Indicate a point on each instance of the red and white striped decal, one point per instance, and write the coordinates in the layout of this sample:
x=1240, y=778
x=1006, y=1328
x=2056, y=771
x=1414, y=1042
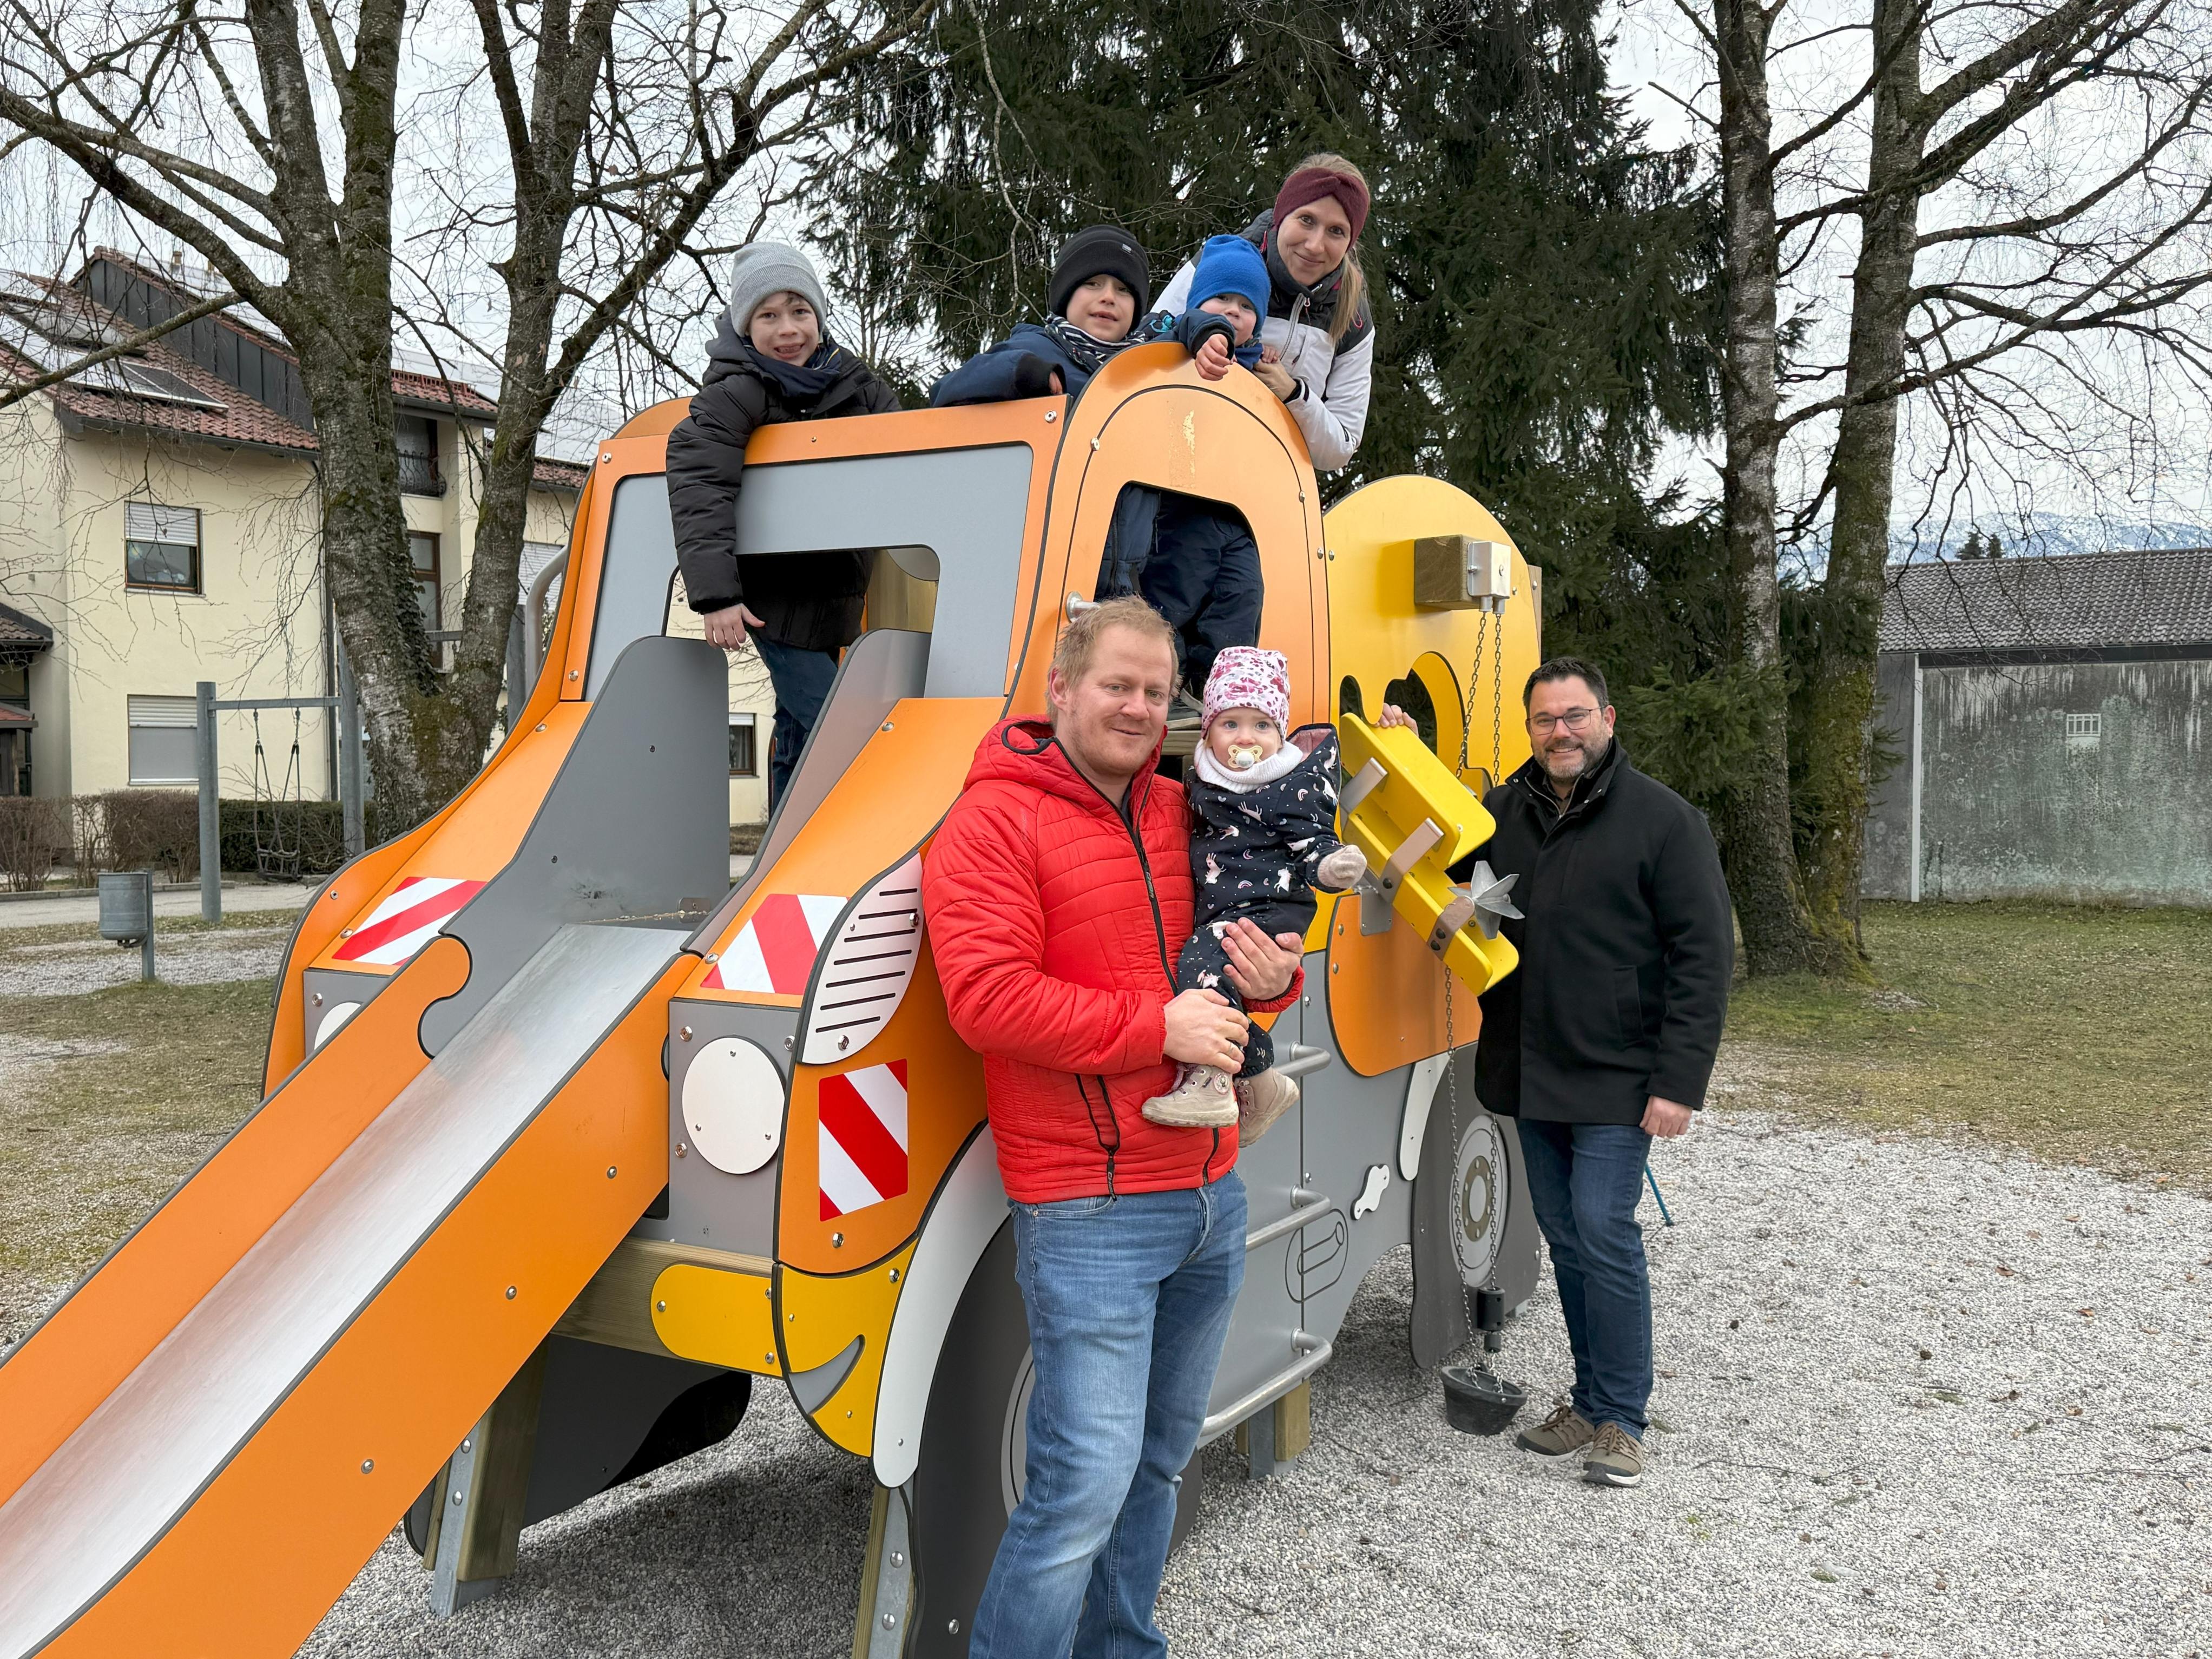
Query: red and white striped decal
x=407, y=920
x=862, y=1146
x=775, y=950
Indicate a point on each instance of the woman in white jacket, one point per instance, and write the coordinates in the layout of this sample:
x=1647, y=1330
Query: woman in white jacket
x=1318, y=334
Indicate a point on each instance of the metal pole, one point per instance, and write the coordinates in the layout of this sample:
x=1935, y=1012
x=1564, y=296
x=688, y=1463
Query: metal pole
x=204, y=751
x=349, y=763
x=146, y=945
x=1912, y=877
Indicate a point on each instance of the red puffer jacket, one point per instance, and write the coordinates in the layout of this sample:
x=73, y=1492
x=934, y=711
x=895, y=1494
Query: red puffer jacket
x=1055, y=923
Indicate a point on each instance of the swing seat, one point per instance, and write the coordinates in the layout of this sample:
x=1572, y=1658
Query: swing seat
x=1404, y=809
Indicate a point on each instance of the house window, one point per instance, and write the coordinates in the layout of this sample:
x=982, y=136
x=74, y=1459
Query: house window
x=422, y=553
x=2084, y=731
x=161, y=547
x=164, y=738
x=744, y=748
x=417, y=437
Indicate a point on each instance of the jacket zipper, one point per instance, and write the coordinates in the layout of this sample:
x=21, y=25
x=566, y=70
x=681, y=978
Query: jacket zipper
x=1151, y=893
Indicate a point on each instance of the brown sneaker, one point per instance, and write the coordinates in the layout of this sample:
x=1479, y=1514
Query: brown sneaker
x=1616, y=1458
x=1202, y=1099
x=1562, y=1434
x=1261, y=1100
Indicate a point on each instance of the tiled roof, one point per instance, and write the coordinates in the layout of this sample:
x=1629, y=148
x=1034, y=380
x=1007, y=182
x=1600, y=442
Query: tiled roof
x=21, y=635
x=2072, y=601
x=456, y=395
x=408, y=386
x=234, y=417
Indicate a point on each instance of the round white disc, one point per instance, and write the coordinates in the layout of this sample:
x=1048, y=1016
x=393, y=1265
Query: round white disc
x=733, y=1105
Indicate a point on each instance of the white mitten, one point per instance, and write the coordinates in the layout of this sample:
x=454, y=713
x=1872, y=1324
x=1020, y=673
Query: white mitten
x=1340, y=869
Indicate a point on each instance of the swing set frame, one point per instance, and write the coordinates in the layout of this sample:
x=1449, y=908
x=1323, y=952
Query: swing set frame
x=352, y=774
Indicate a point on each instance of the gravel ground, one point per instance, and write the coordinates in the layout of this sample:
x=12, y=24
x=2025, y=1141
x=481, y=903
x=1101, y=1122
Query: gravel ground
x=72, y=967
x=1915, y=1398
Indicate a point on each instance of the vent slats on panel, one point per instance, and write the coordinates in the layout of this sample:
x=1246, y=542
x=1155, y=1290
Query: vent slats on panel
x=866, y=968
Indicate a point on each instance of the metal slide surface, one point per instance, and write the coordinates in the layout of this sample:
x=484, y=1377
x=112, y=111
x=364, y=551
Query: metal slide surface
x=146, y=1454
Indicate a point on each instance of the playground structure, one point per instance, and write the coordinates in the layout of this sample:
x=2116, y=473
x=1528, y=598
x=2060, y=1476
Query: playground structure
x=566, y=1139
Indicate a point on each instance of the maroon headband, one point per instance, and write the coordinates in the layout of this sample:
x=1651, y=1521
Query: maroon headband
x=1309, y=184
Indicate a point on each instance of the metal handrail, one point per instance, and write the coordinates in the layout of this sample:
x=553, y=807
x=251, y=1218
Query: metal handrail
x=532, y=609
x=1302, y=1060
x=1311, y=1208
x=1311, y=1359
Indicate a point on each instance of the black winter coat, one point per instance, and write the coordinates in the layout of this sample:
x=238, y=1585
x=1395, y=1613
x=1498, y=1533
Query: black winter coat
x=1259, y=850
x=1626, y=954
x=808, y=600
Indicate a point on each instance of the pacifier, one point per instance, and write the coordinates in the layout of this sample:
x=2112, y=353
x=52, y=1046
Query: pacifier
x=1243, y=756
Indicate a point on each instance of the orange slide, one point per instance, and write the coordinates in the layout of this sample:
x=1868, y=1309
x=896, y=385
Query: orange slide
x=205, y=1440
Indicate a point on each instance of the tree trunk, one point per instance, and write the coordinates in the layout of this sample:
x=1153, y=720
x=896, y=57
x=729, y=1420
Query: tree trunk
x=1756, y=843
x=1838, y=701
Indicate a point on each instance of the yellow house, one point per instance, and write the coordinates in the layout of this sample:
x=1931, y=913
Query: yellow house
x=159, y=525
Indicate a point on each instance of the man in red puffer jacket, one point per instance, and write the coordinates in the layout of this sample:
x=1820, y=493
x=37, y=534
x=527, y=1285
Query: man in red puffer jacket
x=1058, y=893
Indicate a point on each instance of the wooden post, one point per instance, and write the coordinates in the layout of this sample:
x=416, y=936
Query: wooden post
x=477, y=1529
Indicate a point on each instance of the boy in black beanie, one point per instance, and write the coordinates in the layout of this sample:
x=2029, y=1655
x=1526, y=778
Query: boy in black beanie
x=1100, y=286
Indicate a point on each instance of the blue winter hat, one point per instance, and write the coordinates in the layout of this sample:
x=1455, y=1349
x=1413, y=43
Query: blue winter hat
x=1230, y=264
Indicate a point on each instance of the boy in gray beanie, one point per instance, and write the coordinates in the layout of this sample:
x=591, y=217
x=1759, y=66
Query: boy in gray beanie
x=772, y=360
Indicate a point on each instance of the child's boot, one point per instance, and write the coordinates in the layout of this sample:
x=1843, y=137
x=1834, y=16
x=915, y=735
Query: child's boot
x=1202, y=1099
x=1260, y=1101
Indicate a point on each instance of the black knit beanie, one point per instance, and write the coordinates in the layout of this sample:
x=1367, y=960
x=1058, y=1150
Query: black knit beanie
x=1099, y=250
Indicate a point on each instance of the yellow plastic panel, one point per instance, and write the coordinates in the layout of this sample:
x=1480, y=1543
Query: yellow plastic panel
x=1417, y=787
x=820, y=1317
x=717, y=1317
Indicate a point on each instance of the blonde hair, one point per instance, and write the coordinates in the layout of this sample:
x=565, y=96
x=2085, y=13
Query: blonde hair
x=1353, y=289
x=1078, y=642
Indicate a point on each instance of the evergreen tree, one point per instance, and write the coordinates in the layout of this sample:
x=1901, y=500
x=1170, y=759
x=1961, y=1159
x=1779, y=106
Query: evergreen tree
x=1543, y=284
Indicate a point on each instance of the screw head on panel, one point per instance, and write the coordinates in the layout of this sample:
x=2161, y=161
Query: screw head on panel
x=895, y=1275
x=457, y=1500
x=541, y=726
x=510, y=1293
x=611, y=1172
x=897, y=1560
x=952, y=1625
x=319, y=998
x=367, y=1465
x=889, y=1623
x=682, y=1151
x=660, y=1307
x=685, y=1033
x=836, y=1241
x=467, y=1444
x=714, y=957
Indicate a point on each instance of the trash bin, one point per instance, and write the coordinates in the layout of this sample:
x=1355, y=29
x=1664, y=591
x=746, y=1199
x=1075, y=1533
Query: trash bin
x=126, y=911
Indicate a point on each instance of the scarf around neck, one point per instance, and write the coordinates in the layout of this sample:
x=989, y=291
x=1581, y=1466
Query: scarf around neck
x=1086, y=350
x=1280, y=765
x=802, y=383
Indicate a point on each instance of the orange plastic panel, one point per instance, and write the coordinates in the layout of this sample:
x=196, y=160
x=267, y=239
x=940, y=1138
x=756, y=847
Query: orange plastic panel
x=1148, y=418
x=942, y=1082
x=888, y=801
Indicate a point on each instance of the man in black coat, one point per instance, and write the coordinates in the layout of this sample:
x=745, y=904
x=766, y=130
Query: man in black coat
x=1605, y=1035
x=771, y=360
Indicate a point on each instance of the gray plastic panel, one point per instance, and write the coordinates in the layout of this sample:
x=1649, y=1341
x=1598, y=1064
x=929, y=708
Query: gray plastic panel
x=707, y=1205
x=636, y=822
x=967, y=506
x=1258, y=1349
x=634, y=577
x=883, y=668
x=117, y=1484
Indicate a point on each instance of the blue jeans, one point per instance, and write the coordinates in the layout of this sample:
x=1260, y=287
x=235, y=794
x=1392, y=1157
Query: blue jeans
x=1129, y=1300
x=801, y=679
x=1585, y=1180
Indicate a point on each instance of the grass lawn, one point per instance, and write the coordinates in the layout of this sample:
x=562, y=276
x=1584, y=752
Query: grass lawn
x=113, y=1099
x=2080, y=1033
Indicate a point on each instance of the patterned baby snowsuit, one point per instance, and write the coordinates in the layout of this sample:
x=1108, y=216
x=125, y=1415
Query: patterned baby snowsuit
x=1254, y=857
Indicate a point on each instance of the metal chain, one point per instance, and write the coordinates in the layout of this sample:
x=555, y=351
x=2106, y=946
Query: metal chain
x=1497, y=704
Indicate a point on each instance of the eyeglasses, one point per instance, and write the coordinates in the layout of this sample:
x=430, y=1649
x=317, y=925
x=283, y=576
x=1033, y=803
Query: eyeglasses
x=1574, y=720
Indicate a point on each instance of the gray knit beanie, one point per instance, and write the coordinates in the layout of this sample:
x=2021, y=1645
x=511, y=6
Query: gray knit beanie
x=761, y=268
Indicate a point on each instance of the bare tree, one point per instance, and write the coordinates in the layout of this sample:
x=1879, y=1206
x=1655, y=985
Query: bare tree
x=268, y=141
x=2036, y=251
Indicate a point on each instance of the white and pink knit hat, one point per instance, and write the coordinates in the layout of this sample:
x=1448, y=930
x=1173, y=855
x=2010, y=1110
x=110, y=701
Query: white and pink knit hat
x=1245, y=677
